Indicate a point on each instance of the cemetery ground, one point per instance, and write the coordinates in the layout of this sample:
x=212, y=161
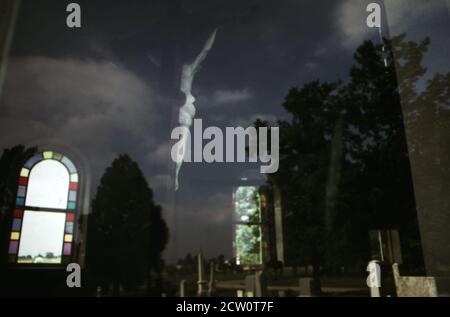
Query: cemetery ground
x=279, y=284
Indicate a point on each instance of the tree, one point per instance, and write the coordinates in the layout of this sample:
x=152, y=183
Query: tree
x=126, y=231
x=344, y=162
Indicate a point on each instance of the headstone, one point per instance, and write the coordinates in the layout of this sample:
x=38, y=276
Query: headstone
x=249, y=285
x=278, y=225
x=414, y=286
x=211, y=283
x=306, y=286
x=201, y=282
x=260, y=284
x=183, y=288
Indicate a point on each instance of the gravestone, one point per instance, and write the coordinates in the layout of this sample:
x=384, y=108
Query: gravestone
x=249, y=285
x=414, y=286
x=260, y=284
x=307, y=287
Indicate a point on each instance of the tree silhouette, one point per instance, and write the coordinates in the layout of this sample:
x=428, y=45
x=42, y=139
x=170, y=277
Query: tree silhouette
x=344, y=161
x=126, y=231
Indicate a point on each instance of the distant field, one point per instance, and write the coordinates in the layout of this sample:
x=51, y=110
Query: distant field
x=56, y=260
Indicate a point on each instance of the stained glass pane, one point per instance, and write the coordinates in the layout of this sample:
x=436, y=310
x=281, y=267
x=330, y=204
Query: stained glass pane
x=48, y=185
x=74, y=178
x=15, y=235
x=69, y=227
x=68, y=238
x=42, y=237
x=13, y=247
x=48, y=154
x=36, y=158
x=73, y=186
x=24, y=172
x=21, y=191
x=68, y=163
x=67, y=248
x=57, y=156
x=16, y=224
x=23, y=181
x=72, y=195
x=71, y=205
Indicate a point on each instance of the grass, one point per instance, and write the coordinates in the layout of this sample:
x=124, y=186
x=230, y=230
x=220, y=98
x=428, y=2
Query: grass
x=55, y=260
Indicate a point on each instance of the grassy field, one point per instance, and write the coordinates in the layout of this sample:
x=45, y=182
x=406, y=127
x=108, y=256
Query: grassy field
x=55, y=260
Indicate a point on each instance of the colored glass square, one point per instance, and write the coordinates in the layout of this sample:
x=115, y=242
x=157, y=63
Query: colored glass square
x=23, y=181
x=16, y=224
x=57, y=156
x=36, y=158
x=67, y=248
x=13, y=245
x=24, y=172
x=70, y=217
x=71, y=205
x=48, y=154
x=67, y=238
x=20, y=201
x=73, y=186
x=18, y=213
x=74, y=178
x=72, y=195
x=15, y=235
x=21, y=191
x=69, y=227
x=68, y=163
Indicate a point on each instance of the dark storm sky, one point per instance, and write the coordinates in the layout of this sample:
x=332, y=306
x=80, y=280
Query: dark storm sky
x=112, y=86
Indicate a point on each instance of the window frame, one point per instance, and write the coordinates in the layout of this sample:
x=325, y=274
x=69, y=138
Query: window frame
x=237, y=222
x=71, y=214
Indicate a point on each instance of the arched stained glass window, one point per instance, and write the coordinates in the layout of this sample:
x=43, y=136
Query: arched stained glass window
x=43, y=220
